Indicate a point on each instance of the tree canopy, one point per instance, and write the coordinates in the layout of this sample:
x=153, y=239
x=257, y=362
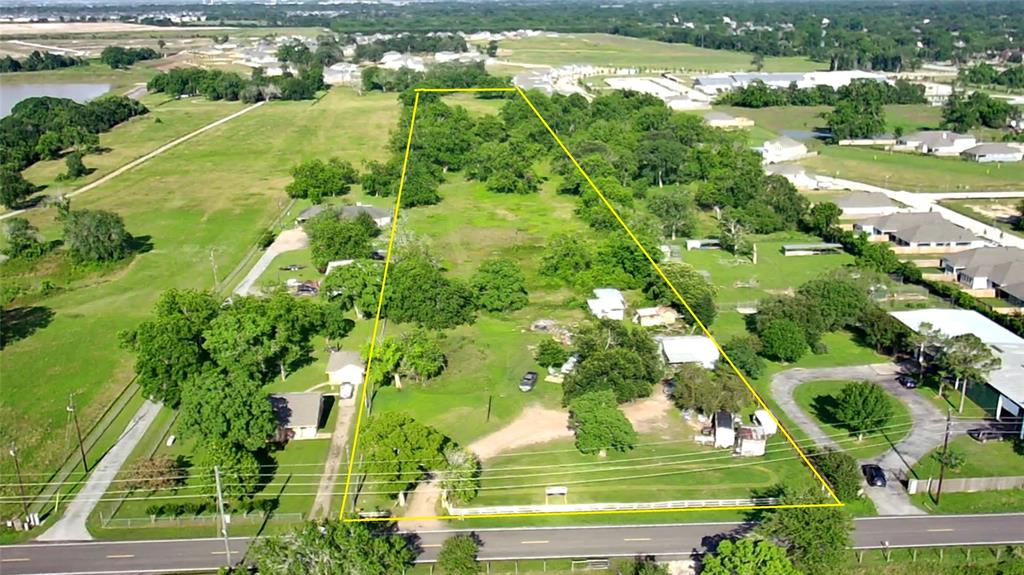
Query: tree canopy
x=333, y=548
x=399, y=451
x=747, y=556
x=499, y=285
x=598, y=423
x=316, y=179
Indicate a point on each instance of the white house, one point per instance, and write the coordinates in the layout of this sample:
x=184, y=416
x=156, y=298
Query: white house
x=298, y=415
x=723, y=424
x=993, y=153
x=783, y=149
x=862, y=204
x=655, y=316
x=381, y=217
x=345, y=367
x=936, y=142
x=608, y=303
x=397, y=61
x=679, y=349
x=796, y=175
x=342, y=73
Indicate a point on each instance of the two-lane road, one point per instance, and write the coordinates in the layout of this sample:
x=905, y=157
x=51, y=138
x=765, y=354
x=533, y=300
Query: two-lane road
x=183, y=555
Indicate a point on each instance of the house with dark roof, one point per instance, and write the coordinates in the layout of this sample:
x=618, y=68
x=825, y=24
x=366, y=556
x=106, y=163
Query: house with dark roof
x=919, y=232
x=298, y=415
x=989, y=272
x=985, y=153
x=380, y=216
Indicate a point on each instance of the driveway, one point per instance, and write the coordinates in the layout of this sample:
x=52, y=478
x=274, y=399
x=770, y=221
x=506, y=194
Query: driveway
x=286, y=241
x=927, y=429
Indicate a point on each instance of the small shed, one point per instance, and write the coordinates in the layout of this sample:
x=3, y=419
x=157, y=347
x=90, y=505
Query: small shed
x=750, y=441
x=689, y=349
x=345, y=367
x=811, y=249
x=704, y=244
x=608, y=303
x=298, y=415
x=725, y=434
x=764, y=419
x=655, y=316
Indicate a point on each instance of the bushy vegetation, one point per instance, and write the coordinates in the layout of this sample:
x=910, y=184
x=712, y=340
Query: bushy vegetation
x=38, y=61
x=758, y=95
x=985, y=74
x=118, y=57
x=220, y=85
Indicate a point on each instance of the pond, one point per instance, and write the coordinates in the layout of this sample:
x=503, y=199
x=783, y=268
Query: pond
x=12, y=93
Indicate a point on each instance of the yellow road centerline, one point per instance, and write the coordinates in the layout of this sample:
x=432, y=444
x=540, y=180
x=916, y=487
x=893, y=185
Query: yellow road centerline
x=538, y=542
x=14, y=559
x=637, y=539
x=120, y=556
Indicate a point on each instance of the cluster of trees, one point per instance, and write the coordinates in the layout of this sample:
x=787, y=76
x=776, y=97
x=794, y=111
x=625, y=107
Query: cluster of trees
x=859, y=114
x=316, y=179
x=220, y=85
x=961, y=113
x=328, y=51
x=410, y=43
x=41, y=128
x=118, y=57
x=38, y=61
x=708, y=391
x=758, y=95
x=443, y=75
x=416, y=355
x=984, y=74
x=333, y=237
x=89, y=237
x=616, y=357
x=598, y=423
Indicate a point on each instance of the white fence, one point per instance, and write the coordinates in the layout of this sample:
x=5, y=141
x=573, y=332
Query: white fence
x=573, y=507
x=965, y=484
x=195, y=520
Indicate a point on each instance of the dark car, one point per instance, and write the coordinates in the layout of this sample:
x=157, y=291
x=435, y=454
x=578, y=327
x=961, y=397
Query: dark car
x=984, y=435
x=874, y=475
x=529, y=380
x=907, y=381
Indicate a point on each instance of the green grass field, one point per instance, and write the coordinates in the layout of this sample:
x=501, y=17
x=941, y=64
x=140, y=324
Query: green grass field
x=212, y=195
x=817, y=398
x=995, y=458
x=622, y=51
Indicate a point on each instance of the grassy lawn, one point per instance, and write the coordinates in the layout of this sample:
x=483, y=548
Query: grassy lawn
x=817, y=399
x=995, y=458
x=805, y=118
x=212, y=195
x=999, y=213
x=621, y=51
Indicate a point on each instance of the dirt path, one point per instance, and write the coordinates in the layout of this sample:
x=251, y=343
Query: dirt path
x=143, y=159
x=287, y=241
x=335, y=455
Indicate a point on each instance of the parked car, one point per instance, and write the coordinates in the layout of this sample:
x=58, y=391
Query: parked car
x=292, y=268
x=984, y=434
x=874, y=475
x=528, y=382
x=346, y=391
x=907, y=381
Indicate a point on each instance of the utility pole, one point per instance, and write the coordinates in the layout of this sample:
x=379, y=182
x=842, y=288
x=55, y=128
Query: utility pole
x=78, y=430
x=223, y=517
x=21, y=486
x=945, y=451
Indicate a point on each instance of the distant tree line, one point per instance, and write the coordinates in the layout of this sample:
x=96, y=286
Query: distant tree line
x=758, y=95
x=962, y=113
x=119, y=57
x=328, y=51
x=221, y=85
x=410, y=43
x=38, y=61
x=446, y=75
x=984, y=74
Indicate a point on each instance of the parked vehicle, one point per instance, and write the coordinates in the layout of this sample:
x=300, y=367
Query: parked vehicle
x=874, y=475
x=346, y=391
x=907, y=381
x=292, y=268
x=528, y=382
x=984, y=434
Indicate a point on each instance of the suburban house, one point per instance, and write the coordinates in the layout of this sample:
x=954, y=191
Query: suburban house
x=656, y=316
x=677, y=349
x=985, y=153
x=342, y=73
x=380, y=216
x=750, y=441
x=936, y=142
x=988, y=272
x=783, y=149
x=864, y=204
x=717, y=83
x=727, y=121
x=723, y=424
x=796, y=175
x=310, y=213
x=608, y=303
x=1008, y=380
x=916, y=232
x=397, y=60
x=298, y=415
x=345, y=367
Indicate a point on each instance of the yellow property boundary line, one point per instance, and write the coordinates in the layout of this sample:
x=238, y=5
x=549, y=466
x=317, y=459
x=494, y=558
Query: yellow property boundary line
x=380, y=303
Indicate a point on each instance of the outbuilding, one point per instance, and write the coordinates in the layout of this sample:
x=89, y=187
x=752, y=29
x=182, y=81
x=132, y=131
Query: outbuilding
x=723, y=424
x=345, y=367
x=679, y=349
x=608, y=303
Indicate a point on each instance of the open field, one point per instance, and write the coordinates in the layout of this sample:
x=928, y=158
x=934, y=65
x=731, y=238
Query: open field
x=207, y=199
x=817, y=398
x=625, y=52
x=999, y=213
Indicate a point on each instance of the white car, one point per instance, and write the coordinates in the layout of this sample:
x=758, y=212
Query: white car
x=346, y=390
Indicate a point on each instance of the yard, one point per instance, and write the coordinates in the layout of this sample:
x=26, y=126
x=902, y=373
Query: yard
x=995, y=458
x=206, y=200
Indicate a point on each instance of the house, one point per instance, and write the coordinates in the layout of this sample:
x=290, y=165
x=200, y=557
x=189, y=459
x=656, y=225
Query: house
x=679, y=349
x=988, y=272
x=608, y=303
x=986, y=153
x=345, y=367
x=796, y=175
x=723, y=425
x=861, y=204
x=765, y=420
x=811, y=249
x=936, y=142
x=655, y=316
x=1008, y=380
x=342, y=73
x=717, y=83
x=914, y=232
x=750, y=441
x=298, y=415
x=310, y=213
x=783, y=149
x=380, y=216
x=397, y=61
x=727, y=121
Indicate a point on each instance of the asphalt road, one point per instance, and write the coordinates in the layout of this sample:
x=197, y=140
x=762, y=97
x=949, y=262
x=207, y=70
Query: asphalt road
x=184, y=555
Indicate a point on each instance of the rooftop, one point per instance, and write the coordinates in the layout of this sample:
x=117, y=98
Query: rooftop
x=993, y=149
x=920, y=227
x=864, y=200
x=936, y=138
x=689, y=349
x=340, y=359
x=297, y=409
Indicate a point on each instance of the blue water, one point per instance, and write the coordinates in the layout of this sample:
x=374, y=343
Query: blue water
x=11, y=93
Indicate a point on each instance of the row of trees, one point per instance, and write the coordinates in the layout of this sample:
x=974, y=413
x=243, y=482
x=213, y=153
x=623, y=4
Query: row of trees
x=758, y=95
x=410, y=43
x=89, y=237
x=443, y=75
x=38, y=61
x=119, y=57
x=962, y=113
x=220, y=85
x=985, y=74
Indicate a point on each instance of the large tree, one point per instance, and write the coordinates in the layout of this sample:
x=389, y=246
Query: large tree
x=418, y=292
x=239, y=469
x=863, y=407
x=14, y=188
x=841, y=471
x=619, y=370
x=22, y=239
x=460, y=477
x=316, y=179
x=599, y=424
x=224, y=407
x=783, y=340
x=421, y=354
x=747, y=556
x=334, y=548
x=96, y=236
x=815, y=538
x=399, y=451
x=709, y=391
x=332, y=238
x=695, y=289
x=839, y=301
x=355, y=286
x=743, y=351
x=458, y=555
x=675, y=209
x=499, y=285
x=967, y=360
x=566, y=256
